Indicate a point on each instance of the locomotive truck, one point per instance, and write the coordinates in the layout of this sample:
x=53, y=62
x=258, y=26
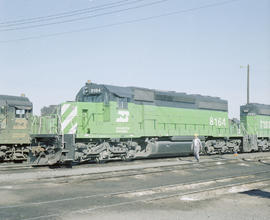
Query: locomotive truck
x=108, y=122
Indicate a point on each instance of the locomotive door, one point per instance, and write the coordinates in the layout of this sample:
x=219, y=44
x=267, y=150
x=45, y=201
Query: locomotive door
x=85, y=121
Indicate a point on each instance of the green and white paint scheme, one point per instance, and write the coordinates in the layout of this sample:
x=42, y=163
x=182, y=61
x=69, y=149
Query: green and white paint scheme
x=107, y=122
x=45, y=124
x=258, y=125
x=99, y=120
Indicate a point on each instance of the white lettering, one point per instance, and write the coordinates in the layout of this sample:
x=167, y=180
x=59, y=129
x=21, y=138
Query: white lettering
x=264, y=124
x=95, y=91
x=122, y=129
x=123, y=116
x=217, y=121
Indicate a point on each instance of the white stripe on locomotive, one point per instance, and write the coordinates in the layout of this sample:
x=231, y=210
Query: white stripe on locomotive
x=69, y=118
x=73, y=129
x=64, y=108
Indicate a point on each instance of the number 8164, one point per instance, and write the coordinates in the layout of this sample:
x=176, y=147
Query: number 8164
x=217, y=121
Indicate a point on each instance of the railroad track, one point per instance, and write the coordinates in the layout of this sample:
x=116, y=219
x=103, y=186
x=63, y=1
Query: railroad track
x=15, y=167
x=21, y=167
x=150, y=194
x=151, y=170
x=125, y=171
x=106, y=172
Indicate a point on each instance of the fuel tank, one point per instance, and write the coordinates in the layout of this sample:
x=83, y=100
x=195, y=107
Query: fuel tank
x=168, y=148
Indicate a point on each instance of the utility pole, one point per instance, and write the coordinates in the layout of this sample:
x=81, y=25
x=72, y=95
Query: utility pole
x=247, y=81
x=248, y=84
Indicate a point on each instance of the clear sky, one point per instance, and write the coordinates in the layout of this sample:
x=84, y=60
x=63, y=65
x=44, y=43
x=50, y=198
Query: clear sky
x=197, y=51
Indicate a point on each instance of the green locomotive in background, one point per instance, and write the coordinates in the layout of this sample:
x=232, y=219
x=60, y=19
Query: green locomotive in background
x=256, y=121
x=15, y=127
x=106, y=122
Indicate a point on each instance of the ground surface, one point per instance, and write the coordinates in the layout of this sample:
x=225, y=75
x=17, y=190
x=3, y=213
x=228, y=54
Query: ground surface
x=179, y=191
x=253, y=204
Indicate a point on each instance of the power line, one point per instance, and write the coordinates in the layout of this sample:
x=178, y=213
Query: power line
x=85, y=17
x=67, y=14
x=124, y=22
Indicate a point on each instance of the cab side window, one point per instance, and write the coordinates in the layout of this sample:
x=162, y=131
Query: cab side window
x=19, y=113
x=2, y=117
x=122, y=103
x=2, y=110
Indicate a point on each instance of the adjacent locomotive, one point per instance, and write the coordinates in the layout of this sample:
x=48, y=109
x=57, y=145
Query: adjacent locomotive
x=107, y=122
x=15, y=127
x=255, y=119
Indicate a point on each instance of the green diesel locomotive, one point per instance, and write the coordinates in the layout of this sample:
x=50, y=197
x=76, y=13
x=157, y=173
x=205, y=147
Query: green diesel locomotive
x=256, y=126
x=107, y=122
x=15, y=127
